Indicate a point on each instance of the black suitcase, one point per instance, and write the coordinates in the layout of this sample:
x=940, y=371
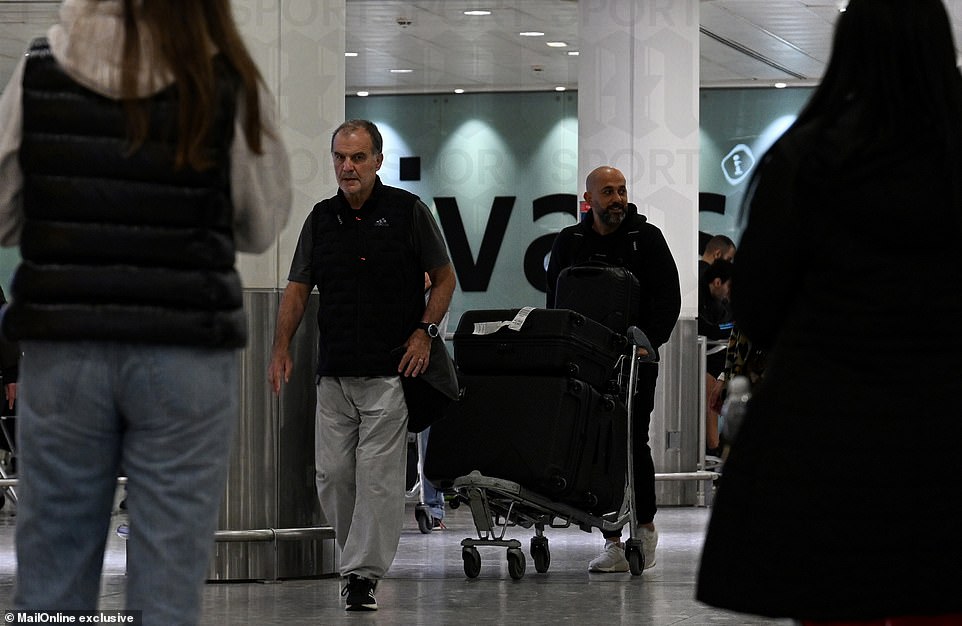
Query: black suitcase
x=549, y=342
x=607, y=294
x=555, y=436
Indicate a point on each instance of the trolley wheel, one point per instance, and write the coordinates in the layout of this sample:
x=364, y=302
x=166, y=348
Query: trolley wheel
x=636, y=560
x=540, y=554
x=425, y=523
x=515, y=563
x=472, y=561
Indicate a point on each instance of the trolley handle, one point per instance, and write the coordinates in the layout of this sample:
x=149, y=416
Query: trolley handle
x=645, y=352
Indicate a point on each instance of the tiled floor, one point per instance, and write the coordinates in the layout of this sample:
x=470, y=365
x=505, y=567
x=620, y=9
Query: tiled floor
x=427, y=585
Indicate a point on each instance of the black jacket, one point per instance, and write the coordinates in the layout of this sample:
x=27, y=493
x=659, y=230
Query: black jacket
x=367, y=268
x=863, y=371
x=637, y=246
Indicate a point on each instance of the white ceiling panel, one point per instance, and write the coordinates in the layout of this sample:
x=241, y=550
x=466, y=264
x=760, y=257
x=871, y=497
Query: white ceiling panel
x=743, y=42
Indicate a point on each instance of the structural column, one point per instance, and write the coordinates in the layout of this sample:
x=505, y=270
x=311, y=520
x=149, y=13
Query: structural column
x=270, y=524
x=638, y=111
x=299, y=47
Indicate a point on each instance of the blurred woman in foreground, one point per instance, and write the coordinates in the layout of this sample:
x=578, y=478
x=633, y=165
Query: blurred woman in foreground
x=839, y=497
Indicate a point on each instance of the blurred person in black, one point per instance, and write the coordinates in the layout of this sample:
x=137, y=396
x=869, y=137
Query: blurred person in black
x=862, y=343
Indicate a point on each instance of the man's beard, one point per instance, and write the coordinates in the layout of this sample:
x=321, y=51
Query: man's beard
x=612, y=220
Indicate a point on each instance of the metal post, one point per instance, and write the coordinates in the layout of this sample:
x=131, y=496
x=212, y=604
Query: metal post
x=634, y=528
x=702, y=417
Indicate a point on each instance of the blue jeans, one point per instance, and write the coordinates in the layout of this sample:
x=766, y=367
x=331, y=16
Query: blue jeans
x=166, y=414
x=433, y=498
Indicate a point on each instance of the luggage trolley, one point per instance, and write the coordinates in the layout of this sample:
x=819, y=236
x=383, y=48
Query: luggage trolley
x=497, y=504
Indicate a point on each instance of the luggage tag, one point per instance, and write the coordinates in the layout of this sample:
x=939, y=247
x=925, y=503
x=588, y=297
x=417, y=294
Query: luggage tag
x=488, y=328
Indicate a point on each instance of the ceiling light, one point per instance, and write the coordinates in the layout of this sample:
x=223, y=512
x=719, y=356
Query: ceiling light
x=531, y=33
x=350, y=54
x=556, y=44
x=573, y=53
x=780, y=85
x=477, y=12
x=400, y=71
x=362, y=93
x=559, y=88
x=458, y=90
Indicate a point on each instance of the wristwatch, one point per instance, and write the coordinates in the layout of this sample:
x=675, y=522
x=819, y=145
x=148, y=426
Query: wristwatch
x=429, y=328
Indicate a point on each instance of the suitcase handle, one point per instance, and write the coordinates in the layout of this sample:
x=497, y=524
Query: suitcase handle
x=588, y=269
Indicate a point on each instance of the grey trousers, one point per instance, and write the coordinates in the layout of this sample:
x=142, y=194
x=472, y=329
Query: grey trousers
x=360, y=447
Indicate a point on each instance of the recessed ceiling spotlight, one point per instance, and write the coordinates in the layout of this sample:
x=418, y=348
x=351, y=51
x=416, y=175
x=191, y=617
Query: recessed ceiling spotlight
x=477, y=12
x=780, y=85
x=400, y=71
x=531, y=33
x=559, y=88
x=556, y=44
x=350, y=54
x=573, y=53
x=458, y=90
x=362, y=93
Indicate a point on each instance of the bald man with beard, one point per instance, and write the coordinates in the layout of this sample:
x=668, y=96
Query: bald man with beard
x=615, y=234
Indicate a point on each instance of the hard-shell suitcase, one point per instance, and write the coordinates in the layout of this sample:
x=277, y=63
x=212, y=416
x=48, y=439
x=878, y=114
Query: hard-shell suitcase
x=554, y=435
x=550, y=342
x=607, y=294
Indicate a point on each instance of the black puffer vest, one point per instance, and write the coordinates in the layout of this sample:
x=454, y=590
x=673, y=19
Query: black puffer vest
x=365, y=265
x=119, y=246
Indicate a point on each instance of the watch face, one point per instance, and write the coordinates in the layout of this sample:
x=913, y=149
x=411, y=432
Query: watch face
x=432, y=330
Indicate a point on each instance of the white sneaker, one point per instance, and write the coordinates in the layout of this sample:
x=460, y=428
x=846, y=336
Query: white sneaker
x=649, y=541
x=611, y=560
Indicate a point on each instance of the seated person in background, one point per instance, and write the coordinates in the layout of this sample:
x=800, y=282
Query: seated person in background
x=715, y=323
x=718, y=248
x=742, y=358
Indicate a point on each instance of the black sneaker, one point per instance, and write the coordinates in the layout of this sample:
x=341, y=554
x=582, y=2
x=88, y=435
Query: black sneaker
x=360, y=594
